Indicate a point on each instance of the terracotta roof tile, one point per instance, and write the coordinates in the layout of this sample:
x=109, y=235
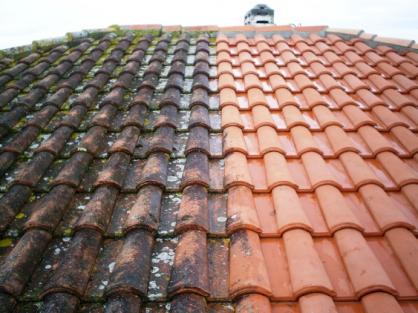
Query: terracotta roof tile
x=272, y=169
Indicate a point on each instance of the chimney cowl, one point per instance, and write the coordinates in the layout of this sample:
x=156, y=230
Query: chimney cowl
x=261, y=14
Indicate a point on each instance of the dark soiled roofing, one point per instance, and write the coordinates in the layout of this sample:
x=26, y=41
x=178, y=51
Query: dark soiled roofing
x=112, y=177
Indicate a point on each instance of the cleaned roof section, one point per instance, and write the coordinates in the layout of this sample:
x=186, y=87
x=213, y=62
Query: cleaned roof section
x=320, y=147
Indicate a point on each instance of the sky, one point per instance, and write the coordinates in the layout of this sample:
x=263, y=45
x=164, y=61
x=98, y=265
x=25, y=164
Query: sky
x=23, y=21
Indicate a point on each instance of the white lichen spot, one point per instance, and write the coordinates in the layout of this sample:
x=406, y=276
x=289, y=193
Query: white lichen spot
x=81, y=207
x=221, y=219
x=166, y=256
x=48, y=266
x=154, y=296
x=176, y=200
x=66, y=239
x=111, y=267
x=155, y=269
x=57, y=251
x=12, y=233
x=172, y=178
x=153, y=284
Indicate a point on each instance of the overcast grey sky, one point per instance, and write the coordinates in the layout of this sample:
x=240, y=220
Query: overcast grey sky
x=23, y=21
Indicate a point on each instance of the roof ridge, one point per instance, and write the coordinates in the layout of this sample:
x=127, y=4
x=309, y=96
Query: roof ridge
x=373, y=39
x=157, y=29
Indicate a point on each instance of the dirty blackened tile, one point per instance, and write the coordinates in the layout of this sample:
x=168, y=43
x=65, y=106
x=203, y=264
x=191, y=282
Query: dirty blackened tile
x=169, y=207
x=122, y=303
x=179, y=147
x=126, y=141
x=196, y=170
x=218, y=264
x=11, y=202
x=188, y=303
x=123, y=207
x=190, y=268
x=72, y=214
x=162, y=261
x=168, y=116
x=19, y=264
x=72, y=171
x=183, y=120
x=145, y=212
x=113, y=173
x=48, y=210
x=162, y=140
x=60, y=301
x=156, y=307
x=7, y=302
x=134, y=175
x=56, y=141
x=155, y=170
x=193, y=212
x=175, y=173
x=198, y=140
x=93, y=141
x=105, y=265
x=31, y=172
x=98, y=210
x=91, y=175
x=220, y=308
x=71, y=144
x=143, y=146
x=133, y=264
x=184, y=101
x=52, y=255
x=73, y=276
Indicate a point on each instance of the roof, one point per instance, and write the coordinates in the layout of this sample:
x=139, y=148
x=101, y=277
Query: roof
x=244, y=169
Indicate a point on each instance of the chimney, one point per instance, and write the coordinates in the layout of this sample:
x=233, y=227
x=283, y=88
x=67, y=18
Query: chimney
x=261, y=14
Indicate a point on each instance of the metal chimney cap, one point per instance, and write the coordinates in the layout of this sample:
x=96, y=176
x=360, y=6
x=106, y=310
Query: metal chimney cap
x=260, y=14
